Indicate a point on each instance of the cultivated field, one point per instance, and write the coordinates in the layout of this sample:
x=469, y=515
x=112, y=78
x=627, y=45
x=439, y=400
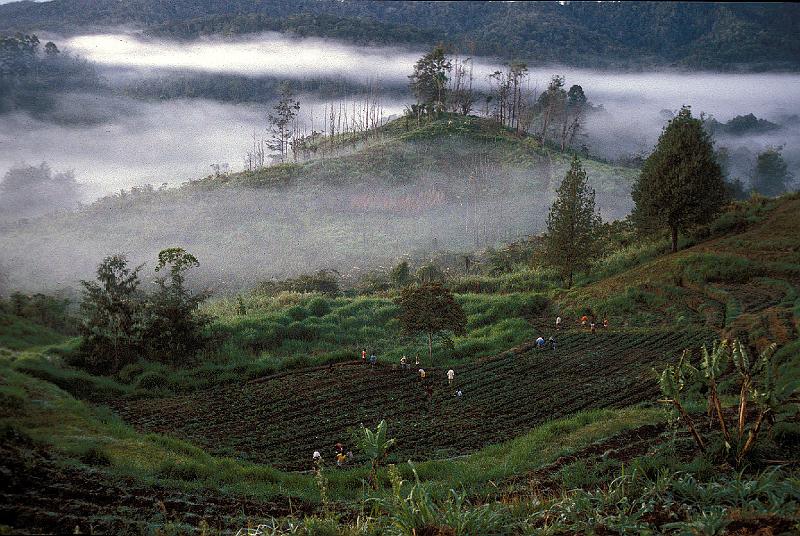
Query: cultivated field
x=281, y=419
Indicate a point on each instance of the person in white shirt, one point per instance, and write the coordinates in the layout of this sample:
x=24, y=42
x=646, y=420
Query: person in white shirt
x=450, y=375
x=558, y=322
x=421, y=374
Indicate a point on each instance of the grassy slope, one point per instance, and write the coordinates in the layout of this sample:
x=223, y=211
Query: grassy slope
x=400, y=153
x=21, y=334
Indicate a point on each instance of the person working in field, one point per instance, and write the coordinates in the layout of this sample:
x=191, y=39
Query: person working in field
x=421, y=374
x=605, y=323
x=558, y=322
x=404, y=363
x=373, y=359
x=593, y=327
x=552, y=342
x=451, y=374
x=364, y=356
x=540, y=342
x=584, y=320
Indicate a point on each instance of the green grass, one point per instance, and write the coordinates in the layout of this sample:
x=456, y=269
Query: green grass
x=21, y=334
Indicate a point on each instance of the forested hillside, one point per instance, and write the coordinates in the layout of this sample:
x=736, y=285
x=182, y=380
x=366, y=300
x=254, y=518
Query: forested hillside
x=597, y=34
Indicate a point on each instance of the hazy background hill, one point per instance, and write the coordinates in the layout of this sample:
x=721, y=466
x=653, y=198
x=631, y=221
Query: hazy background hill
x=597, y=34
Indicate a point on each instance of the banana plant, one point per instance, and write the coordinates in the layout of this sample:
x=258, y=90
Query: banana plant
x=713, y=365
x=675, y=381
x=770, y=391
x=376, y=447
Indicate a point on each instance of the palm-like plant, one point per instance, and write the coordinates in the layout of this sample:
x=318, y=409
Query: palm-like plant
x=771, y=391
x=675, y=381
x=376, y=446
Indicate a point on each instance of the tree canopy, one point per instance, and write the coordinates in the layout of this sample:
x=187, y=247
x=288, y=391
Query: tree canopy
x=432, y=310
x=771, y=176
x=681, y=183
x=572, y=224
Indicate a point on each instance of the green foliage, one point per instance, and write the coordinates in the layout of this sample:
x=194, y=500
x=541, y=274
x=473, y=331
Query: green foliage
x=430, y=309
x=109, y=337
x=76, y=382
x=701, y=268
x=771, y=176
x=632, y=502
x=761, y=383
x=430, y=273
x=572, y=225
x=49, y=311
x=429, y=81
x=419, y=512
x=681, y=184
x=19, y=333
x=122, y=324
x=170, y=329
x=400, y=275
x=324, y=281
x=375, y=446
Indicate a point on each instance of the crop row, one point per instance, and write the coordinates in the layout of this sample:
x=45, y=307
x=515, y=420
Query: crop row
x=282, y=420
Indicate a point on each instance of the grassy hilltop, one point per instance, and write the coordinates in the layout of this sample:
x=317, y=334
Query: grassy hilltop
x=458, y=183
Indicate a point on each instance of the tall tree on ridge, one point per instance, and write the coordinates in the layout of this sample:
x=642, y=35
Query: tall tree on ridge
x=572, y=225
x=681, y=183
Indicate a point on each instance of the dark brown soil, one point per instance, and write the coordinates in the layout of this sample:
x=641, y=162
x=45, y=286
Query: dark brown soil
x=280, y=420
x=40, y=495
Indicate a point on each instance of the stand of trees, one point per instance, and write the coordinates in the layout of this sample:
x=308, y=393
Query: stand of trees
x=122, y=324
x=30, y=74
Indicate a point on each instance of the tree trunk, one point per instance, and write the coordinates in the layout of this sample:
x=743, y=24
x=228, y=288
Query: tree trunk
x=674, y=231
x=430, y=349
x=569, y=280
x=742, y=407
x=690, y=425
x=751, y=437
x=718, y=408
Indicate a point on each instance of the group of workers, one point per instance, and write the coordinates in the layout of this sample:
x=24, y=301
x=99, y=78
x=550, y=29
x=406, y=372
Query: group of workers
x=340, y=456
x=585, y=321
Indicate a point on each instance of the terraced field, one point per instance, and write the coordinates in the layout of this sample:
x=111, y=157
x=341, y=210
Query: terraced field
x=281, y=419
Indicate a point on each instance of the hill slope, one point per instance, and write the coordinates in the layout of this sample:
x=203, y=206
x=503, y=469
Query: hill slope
x=439, y=186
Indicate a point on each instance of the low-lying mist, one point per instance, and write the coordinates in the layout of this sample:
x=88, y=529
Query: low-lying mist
x=344, y=213
x=113, y=142
x=116, y=138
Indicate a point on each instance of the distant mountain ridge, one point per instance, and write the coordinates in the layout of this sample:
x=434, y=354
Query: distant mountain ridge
x=627, y=35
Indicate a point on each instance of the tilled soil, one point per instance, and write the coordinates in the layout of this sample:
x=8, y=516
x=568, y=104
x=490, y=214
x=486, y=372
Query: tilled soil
x=280, y=420
x=39, y=495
